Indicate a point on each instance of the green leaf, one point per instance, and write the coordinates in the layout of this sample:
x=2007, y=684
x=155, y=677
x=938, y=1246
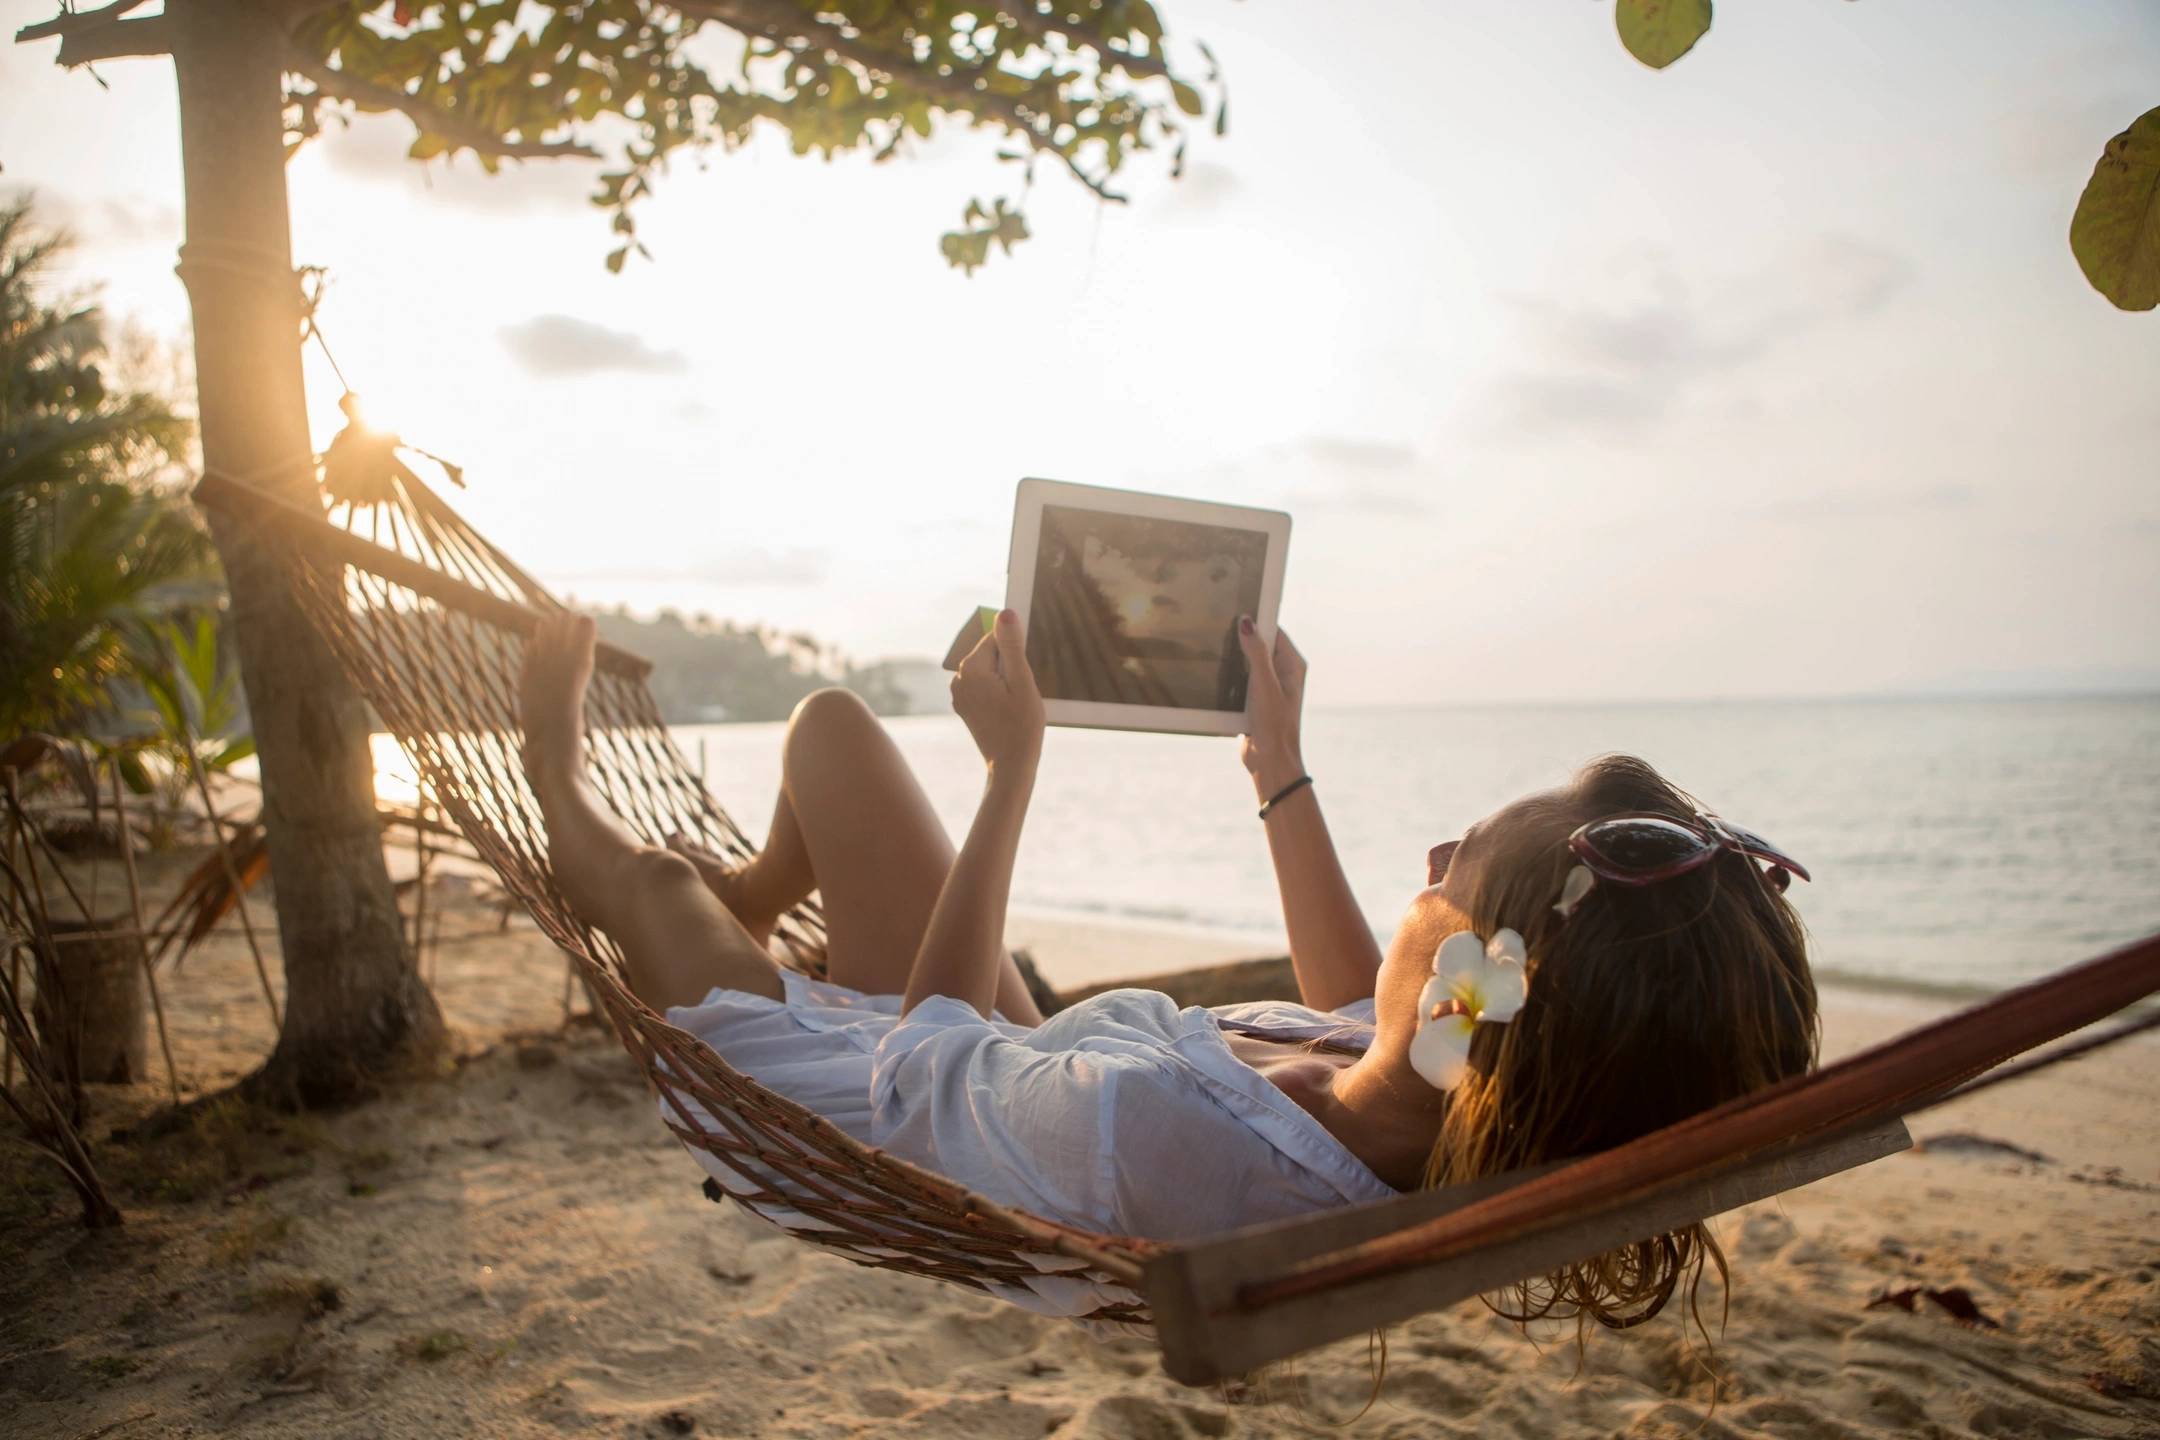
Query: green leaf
x=1188, y=99
x=2115, y=233
x=233, y=753
x=1658, y=32
x=615, y=259
x=427, y=147
x=133, y=773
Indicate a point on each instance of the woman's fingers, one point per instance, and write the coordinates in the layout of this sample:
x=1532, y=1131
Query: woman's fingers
x=1288, y=658
x=1011, y=640
x=994, y=693
x=1289, y=664
x=1258, y=659
x=979, y=661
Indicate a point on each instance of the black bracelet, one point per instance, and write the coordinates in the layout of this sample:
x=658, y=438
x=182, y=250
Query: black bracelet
x=1285, y=793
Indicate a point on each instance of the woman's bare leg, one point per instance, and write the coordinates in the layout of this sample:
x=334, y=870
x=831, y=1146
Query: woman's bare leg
x=678, y=940
x=772, y=882
x=852, y=822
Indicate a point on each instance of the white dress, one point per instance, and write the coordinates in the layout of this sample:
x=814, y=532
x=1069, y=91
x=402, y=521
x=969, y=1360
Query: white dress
x=1122, y=1114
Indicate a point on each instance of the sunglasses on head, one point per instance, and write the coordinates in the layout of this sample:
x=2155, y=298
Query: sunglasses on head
x=1642, y=849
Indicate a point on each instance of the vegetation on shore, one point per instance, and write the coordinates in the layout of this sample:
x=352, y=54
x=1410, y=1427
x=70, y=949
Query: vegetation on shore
x=706, y=669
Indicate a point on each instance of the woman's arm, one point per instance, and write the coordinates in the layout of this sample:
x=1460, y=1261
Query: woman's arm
x=1332, y=949
x=963, y=949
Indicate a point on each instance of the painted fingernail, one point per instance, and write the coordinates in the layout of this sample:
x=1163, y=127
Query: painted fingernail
x=1244, y=624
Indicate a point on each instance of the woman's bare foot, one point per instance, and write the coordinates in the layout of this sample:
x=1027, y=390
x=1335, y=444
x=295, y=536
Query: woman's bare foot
x=551, y=694
x=732, y=885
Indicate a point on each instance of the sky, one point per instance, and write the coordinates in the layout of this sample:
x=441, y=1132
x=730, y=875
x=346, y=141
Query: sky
x=1770, y=374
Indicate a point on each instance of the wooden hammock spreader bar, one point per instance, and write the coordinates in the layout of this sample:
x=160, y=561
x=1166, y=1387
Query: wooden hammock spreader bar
x=1224, y=1307
x=1207, y=1335
x=312, y=531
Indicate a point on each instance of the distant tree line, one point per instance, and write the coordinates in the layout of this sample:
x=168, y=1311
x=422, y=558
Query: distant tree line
x=706, y=669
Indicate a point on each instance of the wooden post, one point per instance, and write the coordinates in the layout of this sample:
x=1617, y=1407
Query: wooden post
x=89, y=1010
x=142, y=929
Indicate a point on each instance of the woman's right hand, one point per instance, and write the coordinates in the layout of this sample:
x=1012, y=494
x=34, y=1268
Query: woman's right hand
x=1272, y=748
x=994, y=693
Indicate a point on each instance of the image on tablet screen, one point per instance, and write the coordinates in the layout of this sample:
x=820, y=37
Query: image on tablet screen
x=1136, y=611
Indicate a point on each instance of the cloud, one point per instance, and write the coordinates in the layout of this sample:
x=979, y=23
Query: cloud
x=1849, y=277
x=555, y=345
x=373, y=148
x=1368, y=477
x=1614, y=368
x=745, y=567
x=1843, y=505
x=102, y=221
x=1204, y=188
x=1349, y=453
x=1358, y=497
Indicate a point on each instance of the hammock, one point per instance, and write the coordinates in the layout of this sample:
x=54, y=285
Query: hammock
x=429, y=619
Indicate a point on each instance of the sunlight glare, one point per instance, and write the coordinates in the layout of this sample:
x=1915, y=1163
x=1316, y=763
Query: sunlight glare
x=396, y=781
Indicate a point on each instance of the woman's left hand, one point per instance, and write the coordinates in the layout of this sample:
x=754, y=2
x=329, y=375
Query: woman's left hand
x=994, y=693
x=1272, y=747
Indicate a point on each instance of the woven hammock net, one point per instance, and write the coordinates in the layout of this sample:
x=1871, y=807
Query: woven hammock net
x=437, y=651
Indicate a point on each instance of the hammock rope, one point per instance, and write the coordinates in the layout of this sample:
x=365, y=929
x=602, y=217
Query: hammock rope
x=431, y=623
x=433, y=634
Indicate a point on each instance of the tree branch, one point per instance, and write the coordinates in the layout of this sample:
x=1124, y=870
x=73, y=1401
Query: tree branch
x=121, y=40
x=431, y=119
x=87, y=36
x=1024, y=14
x=73, y=21
x=796, y=32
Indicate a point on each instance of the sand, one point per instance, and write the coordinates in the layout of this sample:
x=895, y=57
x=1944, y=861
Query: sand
x=514, y=1247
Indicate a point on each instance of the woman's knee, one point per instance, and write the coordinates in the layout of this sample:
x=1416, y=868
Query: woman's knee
x=649, y=870
x=829, y=717
x=830, y=706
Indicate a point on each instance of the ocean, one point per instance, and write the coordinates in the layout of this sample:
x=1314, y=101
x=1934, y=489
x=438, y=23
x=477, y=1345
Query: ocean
x=1958, y=846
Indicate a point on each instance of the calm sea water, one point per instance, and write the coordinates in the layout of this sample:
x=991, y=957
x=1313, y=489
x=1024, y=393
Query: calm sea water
x=1955, y=844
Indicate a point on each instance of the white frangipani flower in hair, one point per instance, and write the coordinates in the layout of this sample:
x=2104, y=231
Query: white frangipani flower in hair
x=1578, y=883
x=1473, y=982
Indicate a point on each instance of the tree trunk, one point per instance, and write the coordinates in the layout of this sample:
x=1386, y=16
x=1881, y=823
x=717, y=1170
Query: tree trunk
x=354, y=1001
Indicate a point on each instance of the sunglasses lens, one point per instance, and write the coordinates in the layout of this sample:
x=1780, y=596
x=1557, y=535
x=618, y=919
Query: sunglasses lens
x=1643, y=843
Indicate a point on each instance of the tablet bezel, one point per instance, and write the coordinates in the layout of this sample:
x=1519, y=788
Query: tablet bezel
x=1030, y=498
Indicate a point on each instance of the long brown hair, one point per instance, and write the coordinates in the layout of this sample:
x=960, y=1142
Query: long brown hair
x=1645, y=1006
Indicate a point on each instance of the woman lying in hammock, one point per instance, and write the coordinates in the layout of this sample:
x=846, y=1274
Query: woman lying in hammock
x=1585, y=965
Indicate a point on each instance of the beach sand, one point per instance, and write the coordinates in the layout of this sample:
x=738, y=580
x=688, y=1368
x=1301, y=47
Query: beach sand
x=513, y=1246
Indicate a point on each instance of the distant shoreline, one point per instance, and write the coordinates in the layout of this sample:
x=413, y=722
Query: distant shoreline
x=2142, y=691
x=1135, y=949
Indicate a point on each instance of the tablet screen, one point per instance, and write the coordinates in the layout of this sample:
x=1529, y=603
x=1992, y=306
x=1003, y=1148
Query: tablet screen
x=1134, y=610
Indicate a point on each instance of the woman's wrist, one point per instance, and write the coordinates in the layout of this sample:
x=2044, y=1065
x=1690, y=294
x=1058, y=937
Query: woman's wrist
x=1274, y=772
x=1014, y=777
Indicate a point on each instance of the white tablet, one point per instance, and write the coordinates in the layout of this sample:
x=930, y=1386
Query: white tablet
x=1132, y=602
